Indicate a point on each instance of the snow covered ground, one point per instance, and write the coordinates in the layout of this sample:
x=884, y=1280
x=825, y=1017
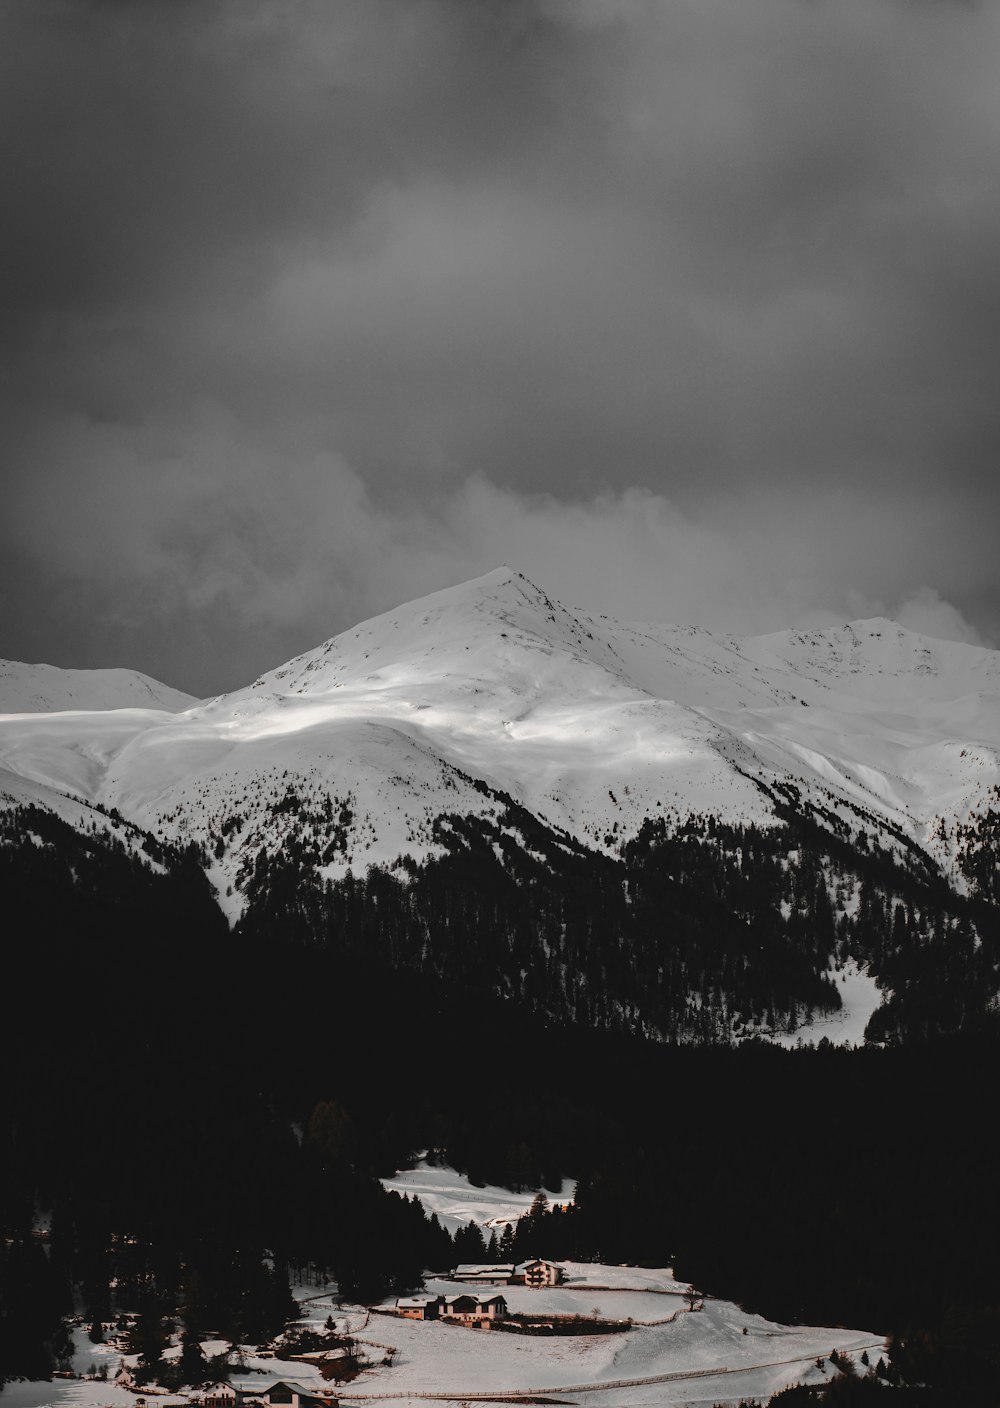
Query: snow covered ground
x=700, y=1358
x=740, y=1355
x=28, y=689
x=707, y=1347
x=860, y=995
x=458, y=1202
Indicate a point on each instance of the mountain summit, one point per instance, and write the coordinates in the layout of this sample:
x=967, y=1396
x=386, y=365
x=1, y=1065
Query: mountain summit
x=499, y=627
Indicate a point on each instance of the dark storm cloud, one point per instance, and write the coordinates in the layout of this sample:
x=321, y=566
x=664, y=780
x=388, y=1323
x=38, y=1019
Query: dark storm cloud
x=691, y=311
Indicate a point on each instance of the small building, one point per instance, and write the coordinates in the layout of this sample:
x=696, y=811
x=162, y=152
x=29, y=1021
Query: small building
x=537, y=1272
x=331, y=1363
x=285, y=1394
x=473, y=1310
x=483, y=1275
x=419, y=1307
x=220, y=1395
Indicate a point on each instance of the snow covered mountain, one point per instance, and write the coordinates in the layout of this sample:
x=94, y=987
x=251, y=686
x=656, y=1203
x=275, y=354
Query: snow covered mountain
x=490, y=687
x=656, y=827
x=590, y=724
x=44, y=689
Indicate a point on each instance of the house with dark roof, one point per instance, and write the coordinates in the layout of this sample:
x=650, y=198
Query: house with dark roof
x=466, y=1308
x=283, y=1393
x=471, y=1309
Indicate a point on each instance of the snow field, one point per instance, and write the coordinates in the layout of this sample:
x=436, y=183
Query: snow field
x=437, y=1358
x=458, y=1202
x=860, y=995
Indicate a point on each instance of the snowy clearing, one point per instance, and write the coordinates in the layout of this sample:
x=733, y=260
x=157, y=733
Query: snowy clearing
x=457, y=1201
x=860, y=995
x=701, y=1357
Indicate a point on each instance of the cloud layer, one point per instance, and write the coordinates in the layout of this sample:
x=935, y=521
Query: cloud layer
x=688, y=311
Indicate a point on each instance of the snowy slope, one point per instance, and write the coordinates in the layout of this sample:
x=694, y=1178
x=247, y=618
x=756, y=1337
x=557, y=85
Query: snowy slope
x=718, y=1354
x=701, y=1358
x=457, y=1202
x=591, y=724
x=52, y=771
x=43, y=689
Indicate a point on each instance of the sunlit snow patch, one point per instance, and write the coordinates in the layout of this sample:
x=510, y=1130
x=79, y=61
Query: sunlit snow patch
x=458, y=1202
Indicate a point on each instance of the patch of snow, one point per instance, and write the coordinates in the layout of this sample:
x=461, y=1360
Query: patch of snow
x=860, y=995
x=696, y=1358
x=458, y=1202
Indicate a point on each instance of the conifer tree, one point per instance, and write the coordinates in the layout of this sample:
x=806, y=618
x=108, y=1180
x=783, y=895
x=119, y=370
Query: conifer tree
x=149, y=1337
x=193, y=1367
x=470, y=1245
x=507, y=1242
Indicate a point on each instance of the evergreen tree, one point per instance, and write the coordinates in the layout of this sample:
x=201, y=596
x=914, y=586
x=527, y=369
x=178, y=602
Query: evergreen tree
x=470, y=1245
x=149, y=1337
x=193, y=1367
x=507, y=1243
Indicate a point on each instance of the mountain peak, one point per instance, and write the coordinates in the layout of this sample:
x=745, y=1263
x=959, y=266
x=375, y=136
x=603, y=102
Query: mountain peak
x=444, y=633
x=501, y=586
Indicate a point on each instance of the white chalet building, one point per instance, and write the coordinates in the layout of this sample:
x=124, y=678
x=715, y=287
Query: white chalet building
x=534, y=1272
x=537, y=1272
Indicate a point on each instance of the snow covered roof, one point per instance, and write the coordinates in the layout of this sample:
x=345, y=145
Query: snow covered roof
x=471, y=1295
x=468, y=1268
x=285, y=1383
x=318, y=1356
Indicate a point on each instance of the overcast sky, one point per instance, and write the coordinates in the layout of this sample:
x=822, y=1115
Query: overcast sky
x=688, y=310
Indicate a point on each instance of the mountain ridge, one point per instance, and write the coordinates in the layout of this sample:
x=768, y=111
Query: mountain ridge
x=594, y=726
x=39, y=688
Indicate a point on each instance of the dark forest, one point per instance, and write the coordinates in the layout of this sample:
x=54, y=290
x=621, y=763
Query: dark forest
x=196, y=1111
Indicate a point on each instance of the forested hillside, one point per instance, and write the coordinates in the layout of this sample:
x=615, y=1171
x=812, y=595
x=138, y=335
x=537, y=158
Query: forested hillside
x=190, y=1111
x=701, y=931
